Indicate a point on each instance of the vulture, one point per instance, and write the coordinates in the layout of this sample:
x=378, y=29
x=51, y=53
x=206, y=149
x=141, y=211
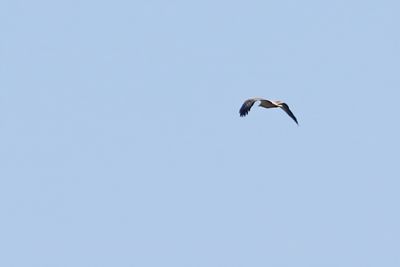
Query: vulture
x=244, y=110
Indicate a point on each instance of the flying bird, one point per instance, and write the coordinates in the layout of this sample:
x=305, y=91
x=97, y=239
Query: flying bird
x=244, y=110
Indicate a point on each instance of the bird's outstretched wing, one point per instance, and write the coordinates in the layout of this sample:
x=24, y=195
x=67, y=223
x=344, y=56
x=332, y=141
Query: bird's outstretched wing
x=286, y=108
x=244, y=110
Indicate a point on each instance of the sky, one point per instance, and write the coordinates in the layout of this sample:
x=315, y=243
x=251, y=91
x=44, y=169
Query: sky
x=121, y=142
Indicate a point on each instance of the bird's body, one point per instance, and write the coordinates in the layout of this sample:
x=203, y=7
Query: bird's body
x=244, y=110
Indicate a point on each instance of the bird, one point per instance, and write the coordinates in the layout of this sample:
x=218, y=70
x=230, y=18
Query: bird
x=265, y=103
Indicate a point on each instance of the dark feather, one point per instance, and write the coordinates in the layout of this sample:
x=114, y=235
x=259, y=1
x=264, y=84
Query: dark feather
x=286, y=108
x=244, y=110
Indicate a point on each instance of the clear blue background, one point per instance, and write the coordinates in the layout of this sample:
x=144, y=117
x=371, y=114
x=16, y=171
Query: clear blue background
x=121, y=143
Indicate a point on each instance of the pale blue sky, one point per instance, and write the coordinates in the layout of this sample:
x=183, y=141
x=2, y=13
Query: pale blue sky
x=121, y=142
